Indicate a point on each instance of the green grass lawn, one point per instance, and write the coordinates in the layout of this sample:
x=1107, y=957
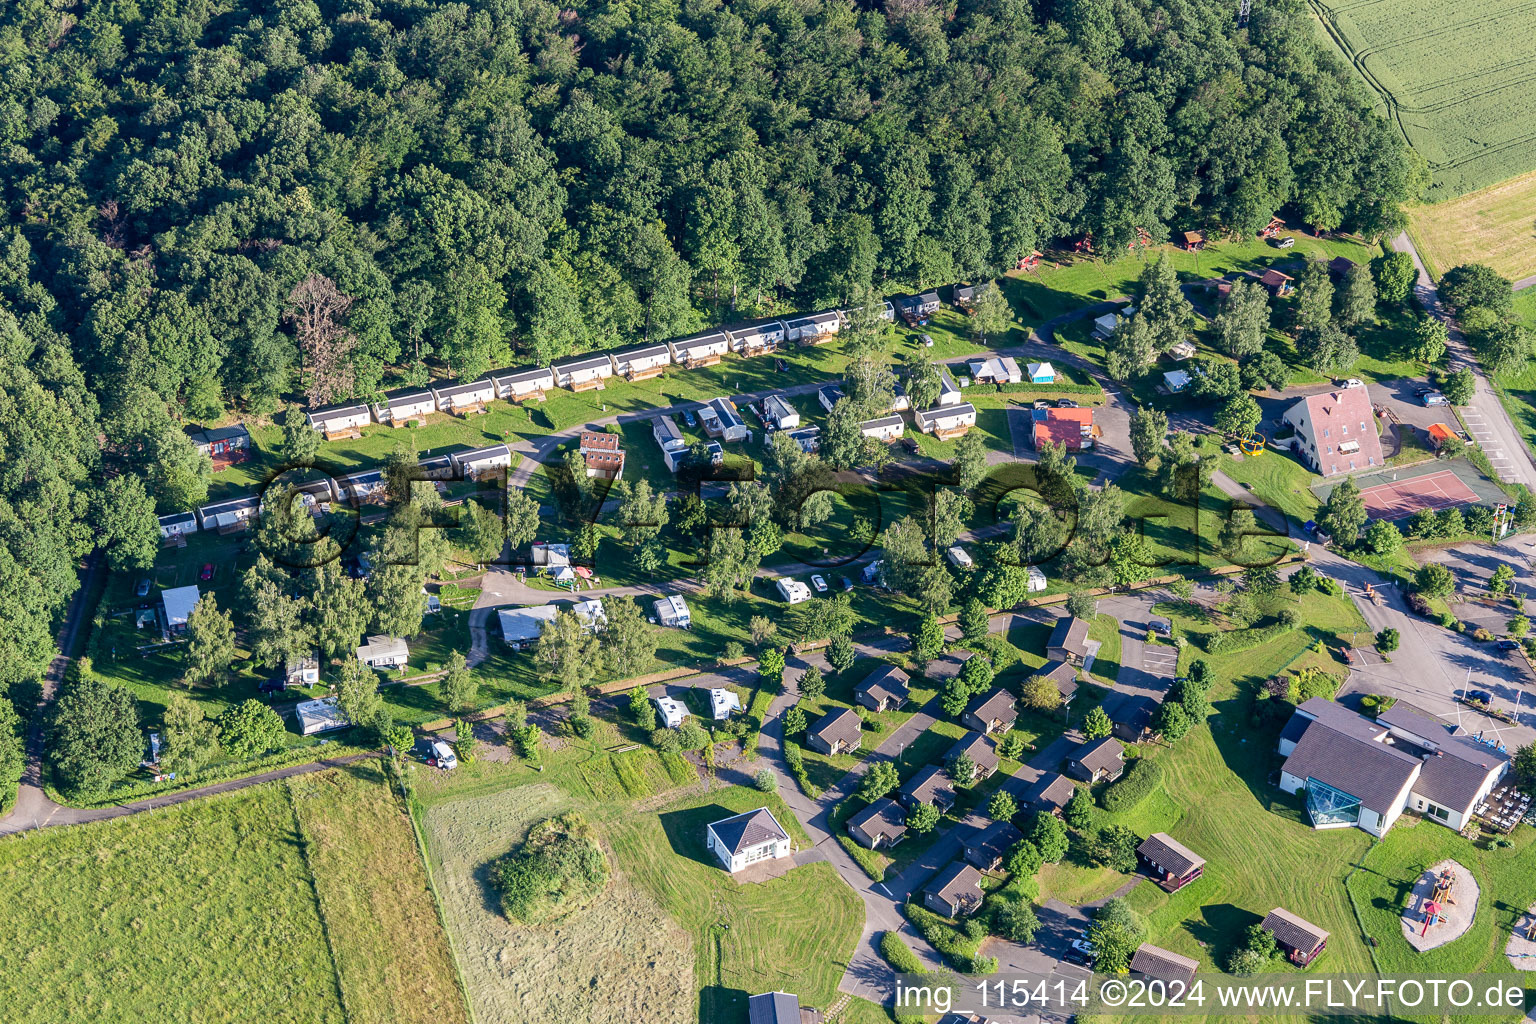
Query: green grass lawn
x=1277, y=480
x=1106, y=630
x=672, y=923
x=1507, y=884
x=201, y=912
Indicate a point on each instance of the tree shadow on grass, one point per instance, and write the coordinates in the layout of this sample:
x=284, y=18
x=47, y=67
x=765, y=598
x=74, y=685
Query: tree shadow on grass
x=1221, y=927
x=685, y=830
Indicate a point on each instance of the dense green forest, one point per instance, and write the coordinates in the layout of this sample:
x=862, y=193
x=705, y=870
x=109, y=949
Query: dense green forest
x=451, y=186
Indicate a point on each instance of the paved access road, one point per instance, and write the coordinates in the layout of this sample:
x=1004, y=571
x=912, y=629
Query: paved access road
x=1487, y=422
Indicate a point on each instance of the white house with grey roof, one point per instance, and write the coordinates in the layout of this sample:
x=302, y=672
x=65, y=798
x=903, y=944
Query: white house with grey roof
x=178, y=603
x=883, y=428
x=584, y=374
x=516, y=385
x=384, y=652
x=178, y=523
x=641, y=362
x=946, y=421
x=470, y=396
x=401, y=406
x=523, y=626
x=332, y=420
x=703, y=349
x=747, y=838
x=778, y=411
x=480, y=461
x=754, y=339
x=1363, y=773
x=720, y=419
x=813, y=328
x=229, y=515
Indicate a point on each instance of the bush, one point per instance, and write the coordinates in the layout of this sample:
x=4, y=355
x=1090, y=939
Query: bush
x=1419, y=606
x=899, y=955
x=558, y=869
x=1447, y=620
x=766, y=781
x=1233, y=641
x=1481, y=635
x=1135, y=786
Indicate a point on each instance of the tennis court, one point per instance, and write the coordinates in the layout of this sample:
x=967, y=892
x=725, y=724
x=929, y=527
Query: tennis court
x=1400, y=498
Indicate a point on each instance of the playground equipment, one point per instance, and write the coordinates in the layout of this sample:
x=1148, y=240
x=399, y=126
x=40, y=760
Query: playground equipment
x=1438, y=899
x=1253, y=444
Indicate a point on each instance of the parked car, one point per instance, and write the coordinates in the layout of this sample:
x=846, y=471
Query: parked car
x=206, y=572
x=142, y=590
x=820, y=584
x=1282, y=243
x=910, y=445
x=1353, y=382
x=689, y=418
x=1065, y=403
x=1161, y=626
x=1509, y=645
x=926, y=340
x=436, y=754
x=276, y=684
x=847, y=584
x=1479, y=696
x=1081, y=952
x=1042, y=404
x=1433, y=398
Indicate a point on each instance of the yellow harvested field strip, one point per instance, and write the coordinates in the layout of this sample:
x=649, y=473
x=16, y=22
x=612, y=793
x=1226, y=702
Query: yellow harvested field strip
x=1496, y=226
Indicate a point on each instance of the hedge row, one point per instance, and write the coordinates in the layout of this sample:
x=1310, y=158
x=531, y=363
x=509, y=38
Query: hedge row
x=1042, y=389
x=863, y=857
x=1136, y=785
x=796, y=762
x=1236, y=640
x=899, y=955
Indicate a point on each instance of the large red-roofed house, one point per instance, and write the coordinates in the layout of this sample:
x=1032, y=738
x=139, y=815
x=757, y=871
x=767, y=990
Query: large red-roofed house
x=1336, y=432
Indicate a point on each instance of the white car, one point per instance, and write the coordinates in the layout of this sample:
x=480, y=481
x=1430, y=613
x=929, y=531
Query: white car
x=820, y=584
x=1354, y=382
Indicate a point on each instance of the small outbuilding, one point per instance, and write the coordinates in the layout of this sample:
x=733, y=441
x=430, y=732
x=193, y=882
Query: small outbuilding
x=1169, y=862
x=1300, y=940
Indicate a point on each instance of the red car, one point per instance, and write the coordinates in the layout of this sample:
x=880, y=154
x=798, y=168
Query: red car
x=206, y=573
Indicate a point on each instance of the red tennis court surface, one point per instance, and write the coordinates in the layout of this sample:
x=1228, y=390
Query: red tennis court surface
x=1405, y=497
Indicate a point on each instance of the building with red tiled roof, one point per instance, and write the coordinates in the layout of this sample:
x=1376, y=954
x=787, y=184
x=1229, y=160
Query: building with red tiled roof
x=1336, y=432
x=1071, y=427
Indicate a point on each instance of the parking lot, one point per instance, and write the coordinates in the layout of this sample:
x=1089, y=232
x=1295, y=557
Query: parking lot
x=1482, y=432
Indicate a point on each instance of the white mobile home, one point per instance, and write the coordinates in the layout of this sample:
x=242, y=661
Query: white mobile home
x=814, y=328
x=364, y=486
x=337, y=420
x=516, y=385
x=585, y=374
x=884, y=428
x=829, y=395
x=466, y=398
x=673, y=611
x=641, y=362
x=483, y=461
x=228, y=516
x=384, y=652
x=703, y=349
x=672, y=711
x=780, y=413
x=722, y=702
x=407, y=404
x=946, y=422
x=949, y=391
x=177, y=524
x=178, y=603
x=753, y=339
x=721, y=420
x=674, y=447
x=792, y=591
x=322, y=715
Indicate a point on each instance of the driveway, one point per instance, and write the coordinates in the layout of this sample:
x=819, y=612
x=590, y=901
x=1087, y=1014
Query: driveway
x=1486, y=419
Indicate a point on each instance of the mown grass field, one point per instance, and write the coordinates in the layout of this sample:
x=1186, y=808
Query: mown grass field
x=305, y=905
x=1452, y=75
x=1495, y=225
x=673, y=939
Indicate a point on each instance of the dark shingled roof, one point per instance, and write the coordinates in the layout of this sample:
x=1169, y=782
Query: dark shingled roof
x=1104, y=756
x=1170, y=854
x=843, y=724
x=888, y=681
x=747, y=829
x=1290, y=930
x=925, y=784
x=957, y=884
x=993, y=841
x=1070, y=633
x=1452, y=776
x=1370, y=771
x=995, y=703
x=1136, y=712
x=773, y=1008
x=884, y=817
x=1156, y=962
x=1063, y=675
x=979, y=748
x=1053, y=790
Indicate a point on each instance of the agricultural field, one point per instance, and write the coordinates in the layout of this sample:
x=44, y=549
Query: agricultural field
x=1454, y=75
x=1495, y=225
x=305, y=904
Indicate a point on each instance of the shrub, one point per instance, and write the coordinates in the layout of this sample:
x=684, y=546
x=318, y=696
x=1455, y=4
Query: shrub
x=1132, y=788
x=1481, y=635
x=1447, y=620
x=766, y=781
x=558, y=869
x=1419, y=606
x=899, y=955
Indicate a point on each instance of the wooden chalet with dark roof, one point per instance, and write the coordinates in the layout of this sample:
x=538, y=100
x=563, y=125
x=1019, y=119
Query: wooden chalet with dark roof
x=1299, y=939
x=1170, y=863
x=1051, y=792
x=885, y=689
x=991, y=712
x=879, y=826
x=931, y=785
x=1097, y=760
x=981, y=749
x=1153, y=963
x=1069, y=640
x=838, y=732
x=988, y=848
x=955, y=891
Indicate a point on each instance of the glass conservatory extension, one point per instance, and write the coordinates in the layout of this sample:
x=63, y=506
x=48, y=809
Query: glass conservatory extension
x=1329, y=806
